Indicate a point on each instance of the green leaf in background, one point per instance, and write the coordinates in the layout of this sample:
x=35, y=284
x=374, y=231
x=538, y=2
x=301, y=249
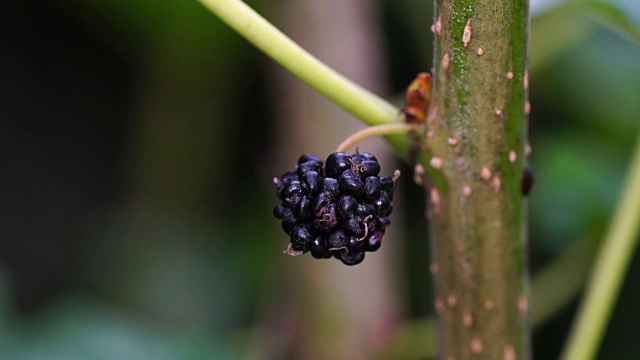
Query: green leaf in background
x=608, y=14
x=83, y=329
x=565, y=25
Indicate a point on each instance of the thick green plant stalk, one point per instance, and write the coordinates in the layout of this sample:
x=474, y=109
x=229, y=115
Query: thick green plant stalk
x=477, y=155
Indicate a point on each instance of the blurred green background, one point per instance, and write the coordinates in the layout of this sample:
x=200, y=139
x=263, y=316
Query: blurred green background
x=139, y=143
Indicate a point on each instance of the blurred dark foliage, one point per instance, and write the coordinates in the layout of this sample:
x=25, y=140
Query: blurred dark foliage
x=64, y=124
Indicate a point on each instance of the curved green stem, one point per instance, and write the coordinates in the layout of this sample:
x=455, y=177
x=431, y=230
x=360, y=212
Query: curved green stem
x=378, y=130
x=361, y=103
x=608, y=273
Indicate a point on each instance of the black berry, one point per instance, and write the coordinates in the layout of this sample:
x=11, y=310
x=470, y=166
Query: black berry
x=327, y=219
x=355, y=245
x=382, y=203
x=337, y=240
x=386, y=183
x=340, y=210
x=312, y=182
x=374, y=240
x=351, y=259
x=307, y=163
x=278, y=211
x=308, y=157
x=292, y=193
x=287, y=227
x=318, y=249
x=384, y=221
x=321, y=203
x=365, y=209
x=372, y=187
x=350, y=184
x=337, y=163
x=301, y=234
x=359, y=157
x=347, y=204
x=354, y=225
x=287, y=215
x=367, y=164
x=331, y=187
x=299, y=247
x=303, y=210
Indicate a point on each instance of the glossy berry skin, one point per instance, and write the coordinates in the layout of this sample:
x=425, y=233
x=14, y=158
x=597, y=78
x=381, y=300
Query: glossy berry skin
x=287, y=227
x=369, y=168
x=307, y=163
x=347, y=204
x=285, y=214
x=368, y=164
x=337, y=210
x=303, y=210
x=312, y=183
x=318, y=249
x=301, y=234
x=355, y=245
x=284, y=181
x=292, y=193
x=350, y=184
x=337, y=240
x=336, y=164
x=308, y=157
x=309, y=166
x=299, y=247
x=386, y=183
x=382, y=203
x=327, y=220
x=279, y=210
x=361, y=156
x=351, y=259
x=331, y=187
x=389, y=210
x=372, y=187
x=365, y=209
x=354, y=225
x=374, y=240
x=321, y=202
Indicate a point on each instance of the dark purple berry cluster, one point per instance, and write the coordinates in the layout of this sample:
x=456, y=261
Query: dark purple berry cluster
x=341, y=209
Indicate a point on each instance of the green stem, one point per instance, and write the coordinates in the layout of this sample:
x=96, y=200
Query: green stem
x=608, y=273
x=378, y=130
x=361, y=103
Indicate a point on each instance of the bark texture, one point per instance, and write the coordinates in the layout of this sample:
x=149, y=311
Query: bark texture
x=475, y=158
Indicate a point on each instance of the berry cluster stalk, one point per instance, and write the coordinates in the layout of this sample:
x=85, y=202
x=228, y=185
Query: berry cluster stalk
x=477, y=145
x=356, y=100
